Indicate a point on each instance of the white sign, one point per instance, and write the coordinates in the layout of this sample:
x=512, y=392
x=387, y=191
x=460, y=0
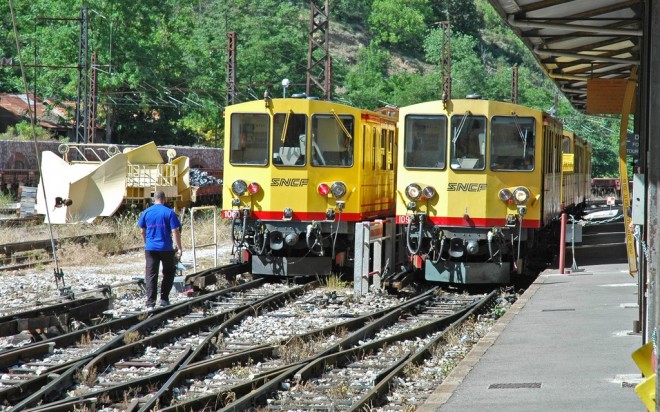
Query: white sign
x=611, y=200
x=632, y=145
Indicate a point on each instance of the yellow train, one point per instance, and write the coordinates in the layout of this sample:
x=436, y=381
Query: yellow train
x=298, y=174
x=477, y=180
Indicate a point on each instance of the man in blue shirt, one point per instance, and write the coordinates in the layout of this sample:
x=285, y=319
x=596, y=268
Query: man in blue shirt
x=158, y=224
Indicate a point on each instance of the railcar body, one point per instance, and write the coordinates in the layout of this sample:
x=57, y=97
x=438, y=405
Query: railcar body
x=477, y=180
x=577, y=184
x=298, y=174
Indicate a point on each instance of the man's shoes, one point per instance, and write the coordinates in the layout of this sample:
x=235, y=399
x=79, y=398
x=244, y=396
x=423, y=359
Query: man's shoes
x=164, y=302
x=150, y=305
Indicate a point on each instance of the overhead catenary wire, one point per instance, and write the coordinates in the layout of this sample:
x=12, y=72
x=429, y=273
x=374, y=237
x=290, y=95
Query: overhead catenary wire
x=33, y=121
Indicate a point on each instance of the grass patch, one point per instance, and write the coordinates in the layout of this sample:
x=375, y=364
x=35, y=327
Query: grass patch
x=132, y=337
x=334, y=282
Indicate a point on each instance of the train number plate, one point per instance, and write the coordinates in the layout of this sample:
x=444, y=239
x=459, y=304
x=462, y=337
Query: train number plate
x=403, y=220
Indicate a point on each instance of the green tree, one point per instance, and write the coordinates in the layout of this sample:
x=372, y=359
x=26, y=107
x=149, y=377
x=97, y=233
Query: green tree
x=411, y=88
x=399, y=22
x=365, y=82
x=350, y=11
x=463, y=15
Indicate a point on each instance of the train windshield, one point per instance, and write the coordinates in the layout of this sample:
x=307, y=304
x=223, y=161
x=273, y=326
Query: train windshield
x=512, y=143
x=289, y=139
x=468, y=142
x=332, y=140
x=249, y=138
x=425, y=142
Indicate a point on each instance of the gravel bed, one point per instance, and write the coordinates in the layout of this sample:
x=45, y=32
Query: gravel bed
x=25, y=289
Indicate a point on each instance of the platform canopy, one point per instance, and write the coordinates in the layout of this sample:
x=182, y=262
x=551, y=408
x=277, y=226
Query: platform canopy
x=578, y=40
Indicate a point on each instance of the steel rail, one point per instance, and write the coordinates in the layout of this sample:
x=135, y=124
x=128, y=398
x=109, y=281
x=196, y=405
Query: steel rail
x=164, y=379
x=317, y=365
x=54, y=315
x=201, y=280
x=252, y=309
x=113, y=355
x=60, y=382
x=385, y=379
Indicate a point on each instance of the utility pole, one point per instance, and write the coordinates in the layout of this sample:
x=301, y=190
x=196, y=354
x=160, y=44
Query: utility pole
x=93, y=98
x=445, y=69
x=318, y=53
x=231, y=68
x=83, y=72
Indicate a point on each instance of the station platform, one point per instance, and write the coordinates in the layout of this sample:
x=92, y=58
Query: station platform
x=565, y=345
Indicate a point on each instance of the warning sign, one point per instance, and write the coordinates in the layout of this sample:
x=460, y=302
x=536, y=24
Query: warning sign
x=567, y=160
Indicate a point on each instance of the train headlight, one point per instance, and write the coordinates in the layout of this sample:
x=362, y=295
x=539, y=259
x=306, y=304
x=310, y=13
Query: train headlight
x=505, y=195
x=239, y=187
x=338, y=190
x=521, y=195
x=413, y=191
x=254, y=188
x=323, y=189
x=428, y=192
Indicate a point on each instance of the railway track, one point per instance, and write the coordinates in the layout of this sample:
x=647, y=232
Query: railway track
x=222, y=348
x=243, y=343
x=244, y=382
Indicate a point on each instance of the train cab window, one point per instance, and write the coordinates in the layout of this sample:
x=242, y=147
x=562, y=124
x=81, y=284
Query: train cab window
x=289, y=139
x=512, y=143
x=425, y=142
x=468, y=142
x=248, y=139
x=566, y=145
x=332, y=140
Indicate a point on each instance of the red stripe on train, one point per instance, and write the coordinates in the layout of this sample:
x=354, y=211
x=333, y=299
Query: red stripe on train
x=470, y=222
x=309, y=216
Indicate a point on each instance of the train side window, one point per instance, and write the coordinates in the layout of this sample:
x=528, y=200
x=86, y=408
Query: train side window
x=374, y=145
x=383, y=149
x=512, y=143
x=289, y=139
x=332, y=140
x=425, y=142
x=390, y=150
x=248, y=139
x=468, y=142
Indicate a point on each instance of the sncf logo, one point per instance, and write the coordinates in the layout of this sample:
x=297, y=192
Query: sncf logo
x=466, y=187
x=276, y=181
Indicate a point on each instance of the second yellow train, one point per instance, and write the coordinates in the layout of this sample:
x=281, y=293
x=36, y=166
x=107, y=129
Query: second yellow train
x=478, y=180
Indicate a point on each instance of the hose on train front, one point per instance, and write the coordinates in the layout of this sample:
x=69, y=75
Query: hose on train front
x=263, y=233
x=491, y=235
x=414, y=250
x=313, y=231
x=233, y=230
x=438, y=252
x=334, y=238
x=515, y=262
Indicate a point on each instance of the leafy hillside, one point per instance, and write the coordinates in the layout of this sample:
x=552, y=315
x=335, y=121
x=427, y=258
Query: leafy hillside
x=162, y=62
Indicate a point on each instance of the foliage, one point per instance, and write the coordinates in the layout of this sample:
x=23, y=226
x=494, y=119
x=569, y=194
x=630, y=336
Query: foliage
x=162, y=63
x=365, y=82
x=350, y=11
x=399, y=22
x=463, y=15
x=23, y=131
